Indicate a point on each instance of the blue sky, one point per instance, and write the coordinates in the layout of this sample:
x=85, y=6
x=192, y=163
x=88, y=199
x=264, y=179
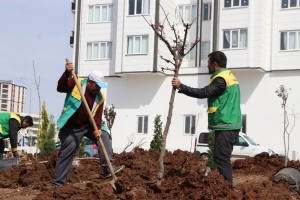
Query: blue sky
x=39, y=31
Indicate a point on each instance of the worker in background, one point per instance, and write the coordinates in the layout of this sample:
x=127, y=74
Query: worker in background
x=10, y=124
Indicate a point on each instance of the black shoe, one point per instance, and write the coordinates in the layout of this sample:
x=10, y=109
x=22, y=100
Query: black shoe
x=116, y=170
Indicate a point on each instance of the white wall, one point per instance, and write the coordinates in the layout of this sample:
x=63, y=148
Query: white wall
x=263, y=107
x=136, y=95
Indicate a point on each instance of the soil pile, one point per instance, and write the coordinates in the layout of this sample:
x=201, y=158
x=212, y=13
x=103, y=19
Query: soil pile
x=185, y=178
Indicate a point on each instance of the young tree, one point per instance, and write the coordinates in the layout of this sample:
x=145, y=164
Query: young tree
x=176, y=45
x=37, y=84
x=155, y=144
x=110, y=115
x=81, y=148
x=48, y=145
x=283, y=94
x=131, y=142
x=43, y=132
x=210, y=157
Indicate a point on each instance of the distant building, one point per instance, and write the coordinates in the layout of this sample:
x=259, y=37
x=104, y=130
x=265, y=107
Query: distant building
x=12, y=97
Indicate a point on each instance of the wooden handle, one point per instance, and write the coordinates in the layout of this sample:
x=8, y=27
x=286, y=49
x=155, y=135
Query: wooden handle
x=94, y=125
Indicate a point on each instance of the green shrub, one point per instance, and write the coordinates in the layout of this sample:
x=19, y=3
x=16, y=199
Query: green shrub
x=157, y=138
x=81, y=148
x=210, y=158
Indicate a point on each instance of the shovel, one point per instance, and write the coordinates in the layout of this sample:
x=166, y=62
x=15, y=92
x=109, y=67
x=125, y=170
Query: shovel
x=96, y=128
x=9, y=162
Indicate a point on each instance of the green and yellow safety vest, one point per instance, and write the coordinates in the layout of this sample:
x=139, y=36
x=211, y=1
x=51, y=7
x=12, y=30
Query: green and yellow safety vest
x=4, y=123
x=224, y=112
x=73, y=101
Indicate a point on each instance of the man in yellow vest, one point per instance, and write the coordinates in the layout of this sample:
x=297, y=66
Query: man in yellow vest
x=224, y=111
x=10, y=124
x=74, y=122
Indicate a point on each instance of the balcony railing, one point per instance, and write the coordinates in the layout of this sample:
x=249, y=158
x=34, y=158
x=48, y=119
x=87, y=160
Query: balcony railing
x=73, y=5
x=72, y=39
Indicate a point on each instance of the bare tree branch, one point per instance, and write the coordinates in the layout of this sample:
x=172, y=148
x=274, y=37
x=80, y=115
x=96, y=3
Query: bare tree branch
x=138, y=145
x=171, y=26
x=167, y=60
x=37, y=84
x=191, y=48
x=130, y=142
x=160, y=34
x=167, y=68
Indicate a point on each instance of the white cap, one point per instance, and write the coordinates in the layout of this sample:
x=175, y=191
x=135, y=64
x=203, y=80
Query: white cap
x=97, y=77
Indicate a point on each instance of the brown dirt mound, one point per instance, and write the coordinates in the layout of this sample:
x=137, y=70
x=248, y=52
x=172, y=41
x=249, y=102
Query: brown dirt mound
x=184, y=179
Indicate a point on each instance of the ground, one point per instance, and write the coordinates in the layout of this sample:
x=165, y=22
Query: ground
x=185, y=178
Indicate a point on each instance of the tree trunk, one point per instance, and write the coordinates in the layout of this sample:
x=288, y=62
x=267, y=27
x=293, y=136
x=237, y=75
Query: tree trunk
x=284, y=136
x=165, y=134
x=160, y=175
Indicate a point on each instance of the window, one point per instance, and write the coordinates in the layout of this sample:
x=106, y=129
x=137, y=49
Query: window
x=290, y=40
x=5, y=91
x=100, y=13
x=143, y=124
x=203, y=138
x=186, y=13
x=236, y=38
x=205, y=49
x=290, y=3
x=192, y=53
x=138, y=7
x=241, y=142
x=206, y=11
x=99, y=50
x=190, y=124
x=137, y=44
x=235, y=3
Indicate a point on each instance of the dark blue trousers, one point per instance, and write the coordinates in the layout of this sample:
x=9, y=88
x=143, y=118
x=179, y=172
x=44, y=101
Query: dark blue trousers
x=70, y=140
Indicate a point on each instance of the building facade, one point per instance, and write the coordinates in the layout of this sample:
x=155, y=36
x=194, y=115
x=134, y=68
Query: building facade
x=260, y=38
x=12, y=97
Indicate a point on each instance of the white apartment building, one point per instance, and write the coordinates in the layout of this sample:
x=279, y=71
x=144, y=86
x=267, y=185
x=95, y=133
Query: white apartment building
x=12, y=97
x=260, y=38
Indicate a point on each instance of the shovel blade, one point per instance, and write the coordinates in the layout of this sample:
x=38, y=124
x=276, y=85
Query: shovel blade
x=9, y=162
x=112, y=183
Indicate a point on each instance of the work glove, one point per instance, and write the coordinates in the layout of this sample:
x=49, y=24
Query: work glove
x=16, y=154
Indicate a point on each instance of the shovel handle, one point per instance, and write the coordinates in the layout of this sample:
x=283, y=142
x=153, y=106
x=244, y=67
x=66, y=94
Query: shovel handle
x=94, y=125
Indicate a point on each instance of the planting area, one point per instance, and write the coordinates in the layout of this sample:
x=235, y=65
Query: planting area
x=185, y=178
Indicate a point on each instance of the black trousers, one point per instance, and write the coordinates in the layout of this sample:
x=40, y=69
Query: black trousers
x=224, y=141
x=1, y=148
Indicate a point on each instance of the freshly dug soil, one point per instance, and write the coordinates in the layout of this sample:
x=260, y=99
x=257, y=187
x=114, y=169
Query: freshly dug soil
x=185, y=178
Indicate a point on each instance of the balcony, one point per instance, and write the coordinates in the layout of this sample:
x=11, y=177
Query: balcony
x=73, y=6
x=72, y=40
